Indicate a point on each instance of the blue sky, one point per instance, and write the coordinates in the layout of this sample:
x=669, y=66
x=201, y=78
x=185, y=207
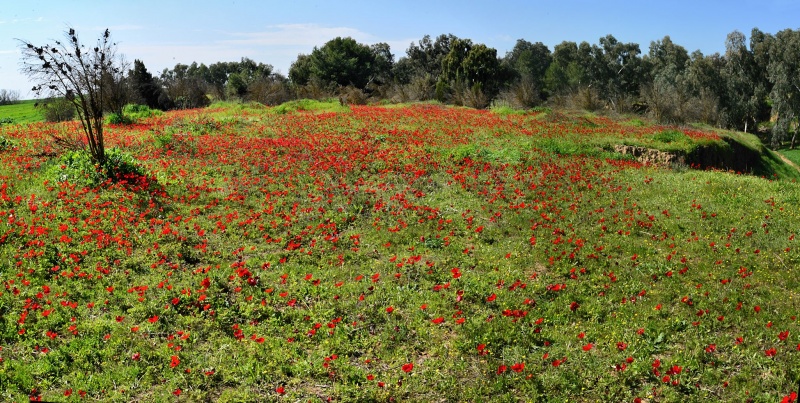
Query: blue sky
x=163, y=33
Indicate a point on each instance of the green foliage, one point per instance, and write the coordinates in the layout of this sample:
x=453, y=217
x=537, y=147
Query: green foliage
x=670, y=136
x=79, y=168
x=131, y=113
x=504, y=109
x=138, y=111
x=477, y=152
x=118, y=119
x=58, y=110
x=342, y=62
x=310, y=105
x=6, y=143
x=20, y=112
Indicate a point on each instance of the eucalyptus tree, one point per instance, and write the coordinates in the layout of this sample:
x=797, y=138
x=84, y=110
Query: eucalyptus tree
x=784, y=73
x=527, y=64
x=740, y=75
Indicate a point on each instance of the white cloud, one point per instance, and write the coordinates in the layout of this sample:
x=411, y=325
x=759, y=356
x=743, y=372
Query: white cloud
x=308, y=35
x=279, y=46
x=21, y=20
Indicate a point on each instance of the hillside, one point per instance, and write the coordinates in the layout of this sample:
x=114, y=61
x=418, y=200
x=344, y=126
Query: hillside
x=21, y=113
x=411, y=253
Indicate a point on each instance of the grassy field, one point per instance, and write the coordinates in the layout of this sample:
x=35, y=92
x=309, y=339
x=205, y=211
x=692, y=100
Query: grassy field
x=408, y=253
x=20, y=113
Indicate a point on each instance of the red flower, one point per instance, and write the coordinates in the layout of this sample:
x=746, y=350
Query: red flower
x=177, y=392
x=438, y=320
x=174, y=361
x=408, y=367
x=518, y=367
x=501, y=369
x=792, y=397
x=574, y=306
x=588, y=347
x=280, y=390
x=390, y=309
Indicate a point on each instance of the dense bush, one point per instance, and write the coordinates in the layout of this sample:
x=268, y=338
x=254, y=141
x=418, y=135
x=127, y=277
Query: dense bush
x=58, y=110
x=77, y=167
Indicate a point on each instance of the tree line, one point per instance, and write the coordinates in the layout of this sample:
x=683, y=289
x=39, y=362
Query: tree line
x=754, y=81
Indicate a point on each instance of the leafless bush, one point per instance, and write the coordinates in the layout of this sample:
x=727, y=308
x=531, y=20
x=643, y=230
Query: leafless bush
x=269, y=92
x=472, y=96
x=315, y=89
x=57, y=110
x=586, y=98
x=351, y=95
x=8, y=97
x=520, y=95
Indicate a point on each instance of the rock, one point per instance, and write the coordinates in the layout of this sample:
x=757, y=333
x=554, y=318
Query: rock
x=651, y=156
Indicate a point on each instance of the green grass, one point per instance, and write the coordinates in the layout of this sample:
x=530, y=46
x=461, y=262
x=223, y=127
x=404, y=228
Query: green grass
x=20, y=113
x=409, y=254
x=310, y=105
x=791, y=155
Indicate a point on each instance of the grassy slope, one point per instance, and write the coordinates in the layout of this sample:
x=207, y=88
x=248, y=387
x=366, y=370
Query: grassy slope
x=22, y=112
x=402, y=206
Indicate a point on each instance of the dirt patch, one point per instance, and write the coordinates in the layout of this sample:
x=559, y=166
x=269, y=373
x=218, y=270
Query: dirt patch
x=651, y=156
x=788, y=161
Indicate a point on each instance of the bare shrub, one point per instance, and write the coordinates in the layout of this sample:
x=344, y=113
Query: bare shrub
x=351, y=95
x=8, y=97
x=521, y=95
x=57, y=110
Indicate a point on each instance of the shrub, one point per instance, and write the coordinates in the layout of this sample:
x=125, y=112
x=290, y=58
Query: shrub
x=77, y=167
x=670, y=136
x=9, y=97
x=58, y=110
x=6, y=144
x=503, y=107
x=137, y=111
x=118, y=119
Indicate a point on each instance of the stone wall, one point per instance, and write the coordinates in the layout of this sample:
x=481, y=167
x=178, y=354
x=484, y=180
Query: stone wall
x=651, y=156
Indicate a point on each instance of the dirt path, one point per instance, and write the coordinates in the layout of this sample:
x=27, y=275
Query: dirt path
x=788, y=162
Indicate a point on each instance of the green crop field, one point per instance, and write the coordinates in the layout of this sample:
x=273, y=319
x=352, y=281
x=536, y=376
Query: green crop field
x=22, y=112
x=408, y=253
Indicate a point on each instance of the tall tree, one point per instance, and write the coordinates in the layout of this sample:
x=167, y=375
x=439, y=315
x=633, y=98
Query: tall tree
x=740, y=75
x=79, y=75
x=705, y=81
x=784, y=73
x=619, y=70
x=342, y=62
x=529, y=62
x=425, y=57
x=143, y=85
x=565, y=73
x=665, y=90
